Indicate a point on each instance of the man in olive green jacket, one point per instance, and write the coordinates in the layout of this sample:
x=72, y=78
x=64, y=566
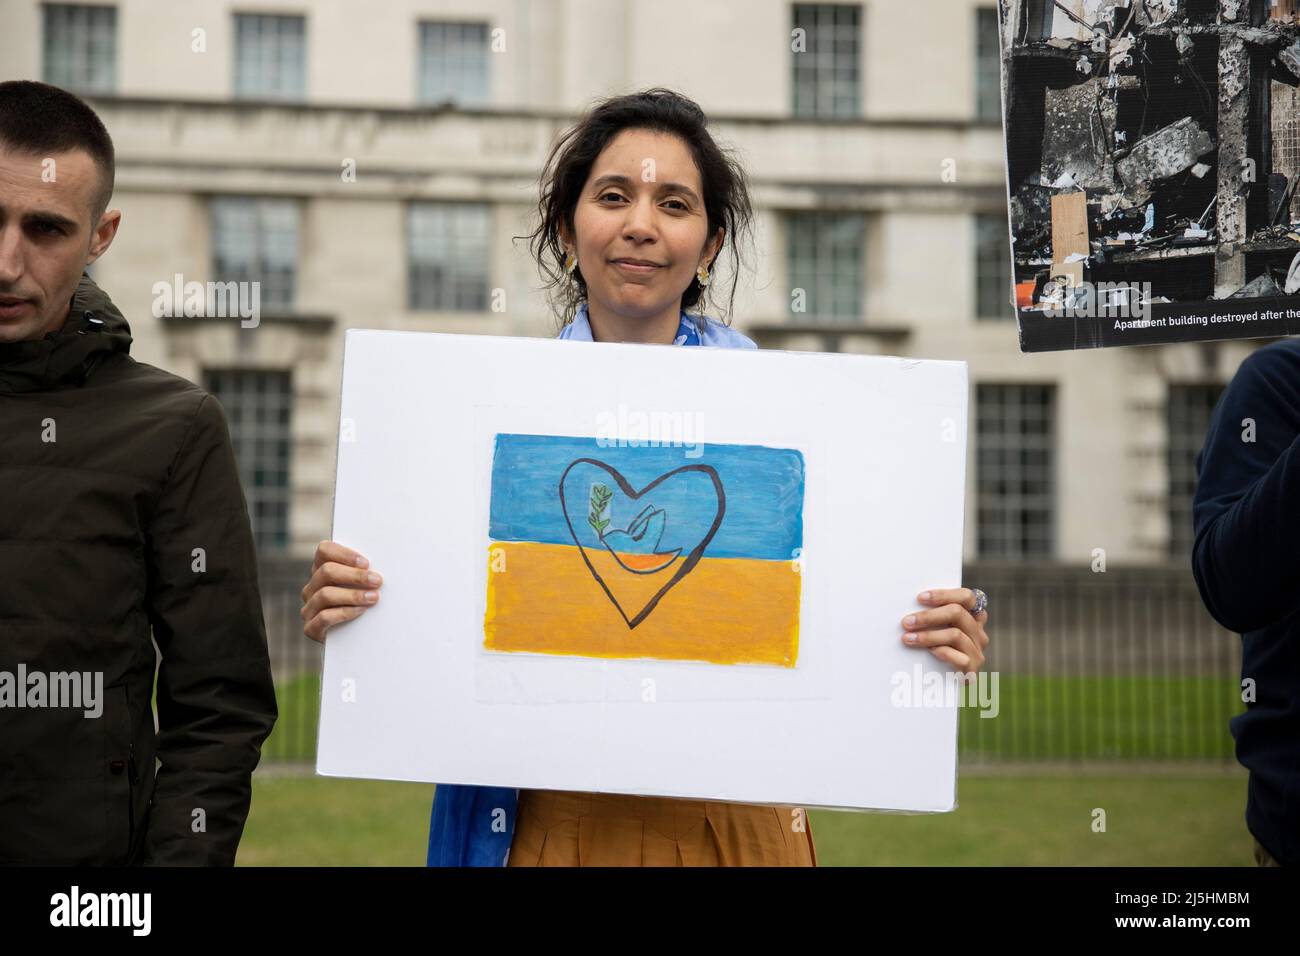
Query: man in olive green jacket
x=123, y=520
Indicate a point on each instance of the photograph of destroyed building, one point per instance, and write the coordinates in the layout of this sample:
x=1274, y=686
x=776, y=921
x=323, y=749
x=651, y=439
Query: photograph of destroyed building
x=1153, y=150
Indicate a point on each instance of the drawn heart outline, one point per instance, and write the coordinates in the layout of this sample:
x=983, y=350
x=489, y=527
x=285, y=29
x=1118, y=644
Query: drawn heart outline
x=692, y=559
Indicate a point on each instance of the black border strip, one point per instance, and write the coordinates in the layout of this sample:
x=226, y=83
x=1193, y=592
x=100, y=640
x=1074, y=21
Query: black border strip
x=1048, y=333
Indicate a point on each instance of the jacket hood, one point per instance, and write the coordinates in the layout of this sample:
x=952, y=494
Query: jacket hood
x=93, y=331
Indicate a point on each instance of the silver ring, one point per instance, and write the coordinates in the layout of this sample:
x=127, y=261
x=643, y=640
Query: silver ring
x=981, y=601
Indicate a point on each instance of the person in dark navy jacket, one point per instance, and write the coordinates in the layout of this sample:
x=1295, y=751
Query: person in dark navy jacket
x=1246, y=560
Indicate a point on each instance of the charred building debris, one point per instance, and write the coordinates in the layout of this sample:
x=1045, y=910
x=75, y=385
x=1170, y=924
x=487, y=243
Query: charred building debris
x=1153, y=141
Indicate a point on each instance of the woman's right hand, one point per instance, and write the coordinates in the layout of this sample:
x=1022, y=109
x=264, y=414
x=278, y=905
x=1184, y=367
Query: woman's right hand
x=340, y=588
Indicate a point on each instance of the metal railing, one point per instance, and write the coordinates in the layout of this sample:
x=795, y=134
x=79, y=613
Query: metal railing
x=1122, y=665
x=1117, y=665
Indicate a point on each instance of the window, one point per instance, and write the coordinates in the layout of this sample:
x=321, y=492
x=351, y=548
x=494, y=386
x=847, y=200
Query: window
x=448, y=254
x=825, y=254
x=256, y=240
x=988, y=77
x=81, y=47
x=257, y=406
x=1188, y=418
x=453, y=63
x=270, y=57
x=1015, y=455
x=1284, y=121
x=827, y=76
x=992, y=267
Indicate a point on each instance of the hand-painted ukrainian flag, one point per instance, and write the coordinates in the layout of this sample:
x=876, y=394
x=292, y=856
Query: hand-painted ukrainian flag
x=676, y=553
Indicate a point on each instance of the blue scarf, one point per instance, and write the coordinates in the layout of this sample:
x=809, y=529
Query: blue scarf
x=474, y=826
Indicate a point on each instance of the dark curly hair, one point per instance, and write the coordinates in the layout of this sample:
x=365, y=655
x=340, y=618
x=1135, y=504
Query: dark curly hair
x=726, y=190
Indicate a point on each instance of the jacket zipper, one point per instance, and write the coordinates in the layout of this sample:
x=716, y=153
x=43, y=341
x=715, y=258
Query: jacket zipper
x=130, y=803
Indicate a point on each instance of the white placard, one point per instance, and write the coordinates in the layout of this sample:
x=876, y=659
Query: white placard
x=415, y=690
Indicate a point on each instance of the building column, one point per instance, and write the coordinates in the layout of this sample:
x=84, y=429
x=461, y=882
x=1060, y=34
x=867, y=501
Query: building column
x=1235, y=174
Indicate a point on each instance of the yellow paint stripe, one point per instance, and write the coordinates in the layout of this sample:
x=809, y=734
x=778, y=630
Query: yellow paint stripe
x=542, y=599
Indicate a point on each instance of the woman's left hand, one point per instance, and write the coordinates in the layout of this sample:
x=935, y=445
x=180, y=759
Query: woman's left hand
x=948, y=629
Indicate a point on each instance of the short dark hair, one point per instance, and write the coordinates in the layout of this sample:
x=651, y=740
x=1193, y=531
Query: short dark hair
x=726, y=197
x=41, y=119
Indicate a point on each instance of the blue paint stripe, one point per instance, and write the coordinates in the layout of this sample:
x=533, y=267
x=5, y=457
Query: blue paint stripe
x=763, y=490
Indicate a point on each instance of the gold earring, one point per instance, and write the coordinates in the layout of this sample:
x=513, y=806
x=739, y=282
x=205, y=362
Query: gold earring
x=570, y=262
x=702, y=276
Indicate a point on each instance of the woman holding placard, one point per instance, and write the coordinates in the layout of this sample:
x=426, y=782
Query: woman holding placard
x=637, y=202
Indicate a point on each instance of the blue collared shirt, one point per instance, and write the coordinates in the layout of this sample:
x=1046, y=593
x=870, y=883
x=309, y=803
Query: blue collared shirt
x=691, y=330
x=474, y=826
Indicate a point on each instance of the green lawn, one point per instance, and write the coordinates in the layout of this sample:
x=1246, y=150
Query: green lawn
x=294, y=736
x=1039, y=718
x=1105, y=718
x=1022, y=818
x=1188, y=820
